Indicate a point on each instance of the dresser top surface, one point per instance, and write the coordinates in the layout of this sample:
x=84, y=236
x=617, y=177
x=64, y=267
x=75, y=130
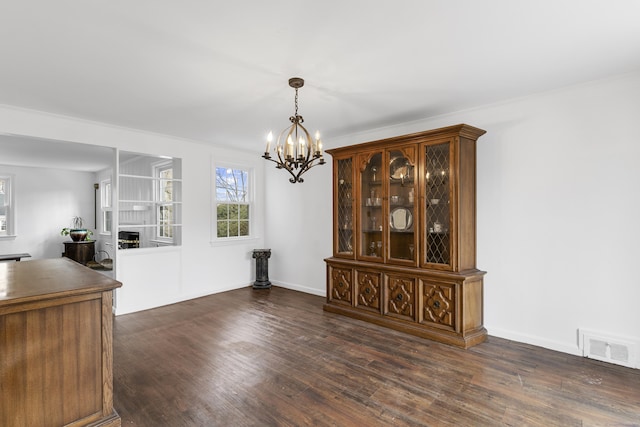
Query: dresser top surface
x=49, y=278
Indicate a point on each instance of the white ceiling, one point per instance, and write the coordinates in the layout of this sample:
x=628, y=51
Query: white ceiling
x=44, y=153
x=217, y=71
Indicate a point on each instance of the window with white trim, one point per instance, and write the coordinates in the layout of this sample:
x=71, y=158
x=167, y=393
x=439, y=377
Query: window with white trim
x=106, y=206
x=164, y=200
x=7, y=208
x=233, y=203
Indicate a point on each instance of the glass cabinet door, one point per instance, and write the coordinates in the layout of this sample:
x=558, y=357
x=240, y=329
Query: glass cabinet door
x=401, y=214
x=371, y=222
x=437, y=204
x=344, y=208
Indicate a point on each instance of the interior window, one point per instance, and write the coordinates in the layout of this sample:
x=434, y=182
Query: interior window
x=149, y=197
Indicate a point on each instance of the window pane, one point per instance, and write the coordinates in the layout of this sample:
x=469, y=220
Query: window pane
x=223, y=229
x=166, y=187
x=232, y=185
x=7, y=216
x=244, y=228
x=3, y=219
x=107, y=221
x=106, y=194
x=233, y=212
x=166, y=219
x=244, y=212
x=233, y=228
x=223, y=211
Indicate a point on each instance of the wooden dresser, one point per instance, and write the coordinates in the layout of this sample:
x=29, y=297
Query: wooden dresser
x=56, y=345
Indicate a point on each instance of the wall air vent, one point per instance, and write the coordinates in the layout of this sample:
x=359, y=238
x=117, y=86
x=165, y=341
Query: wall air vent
x=606, y=348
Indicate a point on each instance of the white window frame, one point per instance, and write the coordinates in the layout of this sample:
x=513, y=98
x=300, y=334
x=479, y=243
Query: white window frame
x=250, y=202
x=106, y=206
x=158, y=168
x=10, y=205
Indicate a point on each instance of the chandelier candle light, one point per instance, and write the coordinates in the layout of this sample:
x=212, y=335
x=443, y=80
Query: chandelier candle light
x=296, y=151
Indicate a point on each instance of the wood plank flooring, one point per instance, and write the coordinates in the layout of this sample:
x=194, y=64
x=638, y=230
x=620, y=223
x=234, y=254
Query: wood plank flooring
x=274, y=358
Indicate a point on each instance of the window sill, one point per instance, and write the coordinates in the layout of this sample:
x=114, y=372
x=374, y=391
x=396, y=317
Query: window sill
x=162, y=242
x=8, y=237
x=230, y=241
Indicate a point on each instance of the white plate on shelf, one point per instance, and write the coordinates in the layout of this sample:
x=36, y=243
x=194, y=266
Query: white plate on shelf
x=401, y=219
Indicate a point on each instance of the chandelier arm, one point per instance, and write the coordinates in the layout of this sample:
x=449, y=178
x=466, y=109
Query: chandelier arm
x=309, y=143
x=281, y=146
x=279, y=164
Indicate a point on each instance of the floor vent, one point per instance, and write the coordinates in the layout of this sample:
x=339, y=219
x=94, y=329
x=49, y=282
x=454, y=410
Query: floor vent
x=608, y=349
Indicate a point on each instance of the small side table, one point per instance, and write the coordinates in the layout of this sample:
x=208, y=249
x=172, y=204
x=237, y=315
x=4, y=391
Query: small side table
x=262, y=268
x=80, y=252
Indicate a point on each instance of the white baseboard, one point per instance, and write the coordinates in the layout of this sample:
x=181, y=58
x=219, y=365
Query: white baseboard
x=180, y=298
x=534, y=340
x=296, y=287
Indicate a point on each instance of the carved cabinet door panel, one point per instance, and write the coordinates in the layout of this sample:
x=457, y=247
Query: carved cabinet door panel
x=340, y=285
x=439, y=306
x=368, y=293
x=400, y=296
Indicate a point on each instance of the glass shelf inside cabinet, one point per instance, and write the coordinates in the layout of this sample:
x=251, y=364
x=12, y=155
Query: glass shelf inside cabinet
x=437, y=204
x=371, y=215
x=345, y=206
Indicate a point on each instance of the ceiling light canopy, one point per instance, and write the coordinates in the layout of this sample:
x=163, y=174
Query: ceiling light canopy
x=295, y=150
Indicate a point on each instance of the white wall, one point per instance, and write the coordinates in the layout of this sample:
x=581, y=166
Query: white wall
x=557, y=213
x=155, y=277
x=46, y=201
x=299, y=230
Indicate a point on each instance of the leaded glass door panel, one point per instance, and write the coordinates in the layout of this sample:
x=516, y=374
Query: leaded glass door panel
x=344, y=208
x=437, y=205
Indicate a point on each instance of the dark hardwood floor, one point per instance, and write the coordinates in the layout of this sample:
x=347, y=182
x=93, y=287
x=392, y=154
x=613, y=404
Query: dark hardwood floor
x=274, y=358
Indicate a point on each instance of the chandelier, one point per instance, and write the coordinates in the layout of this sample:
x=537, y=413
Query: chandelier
x=296, y=151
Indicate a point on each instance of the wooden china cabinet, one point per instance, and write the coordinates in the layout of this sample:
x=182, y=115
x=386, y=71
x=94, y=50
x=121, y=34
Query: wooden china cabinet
x=404, y=229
